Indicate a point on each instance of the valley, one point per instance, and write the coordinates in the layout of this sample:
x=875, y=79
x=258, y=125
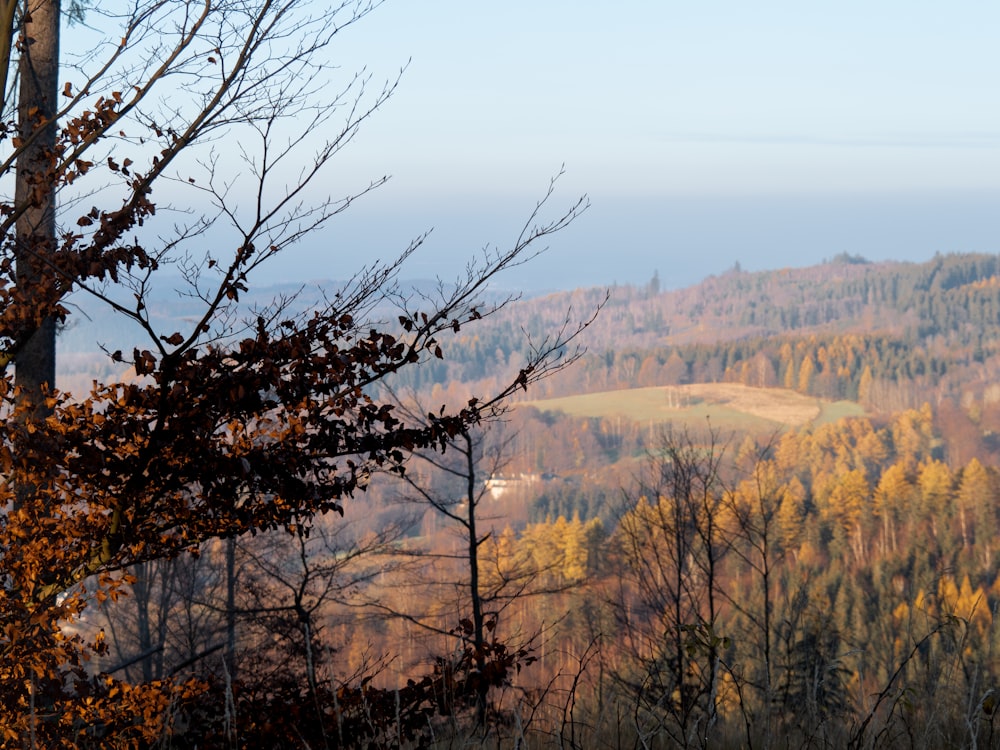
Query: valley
x=734, y=487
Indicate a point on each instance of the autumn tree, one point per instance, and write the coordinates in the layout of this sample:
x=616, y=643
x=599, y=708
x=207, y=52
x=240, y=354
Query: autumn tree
x=672, y=542
x=756, y=508
x=977, y=509
x=236, y=421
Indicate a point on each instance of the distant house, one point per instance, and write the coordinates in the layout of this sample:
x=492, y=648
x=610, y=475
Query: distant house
x=499, y=484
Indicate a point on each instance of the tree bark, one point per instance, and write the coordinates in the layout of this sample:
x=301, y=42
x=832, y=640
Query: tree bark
x=35, y=359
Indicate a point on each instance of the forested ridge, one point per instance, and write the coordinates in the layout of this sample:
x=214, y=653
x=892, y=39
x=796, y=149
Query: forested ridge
x=891, y=335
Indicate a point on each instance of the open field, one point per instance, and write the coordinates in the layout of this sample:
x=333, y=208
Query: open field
x=726, y=405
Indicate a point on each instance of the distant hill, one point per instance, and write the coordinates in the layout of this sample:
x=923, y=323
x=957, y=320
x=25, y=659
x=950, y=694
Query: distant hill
x=889, y=335
x=94, y=329
x=952, y=294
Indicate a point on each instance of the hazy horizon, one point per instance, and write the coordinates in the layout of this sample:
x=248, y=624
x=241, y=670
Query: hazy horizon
x=770, y=134
x=682, y=238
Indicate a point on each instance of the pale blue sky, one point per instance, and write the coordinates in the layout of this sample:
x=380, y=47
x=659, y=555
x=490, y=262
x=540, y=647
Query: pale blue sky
x=672, y=98
x=772, y=133
x=769, y=133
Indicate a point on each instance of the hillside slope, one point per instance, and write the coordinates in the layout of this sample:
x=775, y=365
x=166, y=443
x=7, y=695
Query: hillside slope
x=890, y=335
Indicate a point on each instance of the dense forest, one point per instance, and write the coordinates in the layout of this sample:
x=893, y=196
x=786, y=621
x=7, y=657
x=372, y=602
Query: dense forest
x=626, y=583
x=892, y=335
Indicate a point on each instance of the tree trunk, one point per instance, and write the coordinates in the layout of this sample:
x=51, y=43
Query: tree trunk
x=231, y=607
x=35, y=360
x=478, y=619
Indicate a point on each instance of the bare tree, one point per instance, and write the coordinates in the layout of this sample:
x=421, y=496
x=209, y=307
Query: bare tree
x=452, y=484
x=672, y=541
x=476, y=584
x=754, y=509
x=290, y=587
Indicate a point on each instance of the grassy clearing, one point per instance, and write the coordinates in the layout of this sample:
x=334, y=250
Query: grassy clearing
x=831, y=411
x=729, y=406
